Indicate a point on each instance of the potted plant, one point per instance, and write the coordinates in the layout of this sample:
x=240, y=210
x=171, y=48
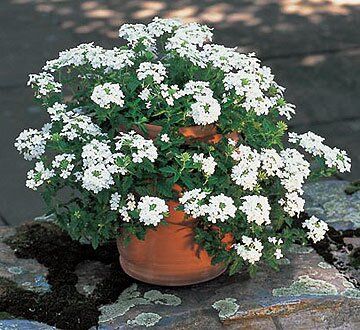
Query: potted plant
x=174, y=146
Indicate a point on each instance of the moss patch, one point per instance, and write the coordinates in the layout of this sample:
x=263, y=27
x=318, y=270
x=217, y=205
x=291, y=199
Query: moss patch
x=63, y=306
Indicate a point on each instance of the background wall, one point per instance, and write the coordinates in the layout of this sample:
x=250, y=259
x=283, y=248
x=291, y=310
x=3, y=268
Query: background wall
x=313, y=47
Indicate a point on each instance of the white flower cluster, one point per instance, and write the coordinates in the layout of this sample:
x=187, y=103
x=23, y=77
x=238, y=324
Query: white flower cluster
x=292, y=176
x=250, y=250
x=141, y=148
x=64, y=163
x=218, y=209
x=206, y=109
x=44, y=83
x=136, y=33
x=57, y=111
x=313, y=144
x=257, y=209
x=78, y=126
x=152, y=210
x=37, y=176
x=277, y=242
x=186, y=40
x=31, y=143
x=96, y=56
x=193, y=202
x=169, y=93
x=107, y=94
x=248, y=86
x=290, y=166
x=221, y=57
x=130, y=205
x=99, y=163
x=271, y=161
x=245, y=172
x=156, y=71
x=208, y=164
x=317, y=228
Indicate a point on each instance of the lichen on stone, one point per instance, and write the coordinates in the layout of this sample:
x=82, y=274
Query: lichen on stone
x=284, y=261
x=131, y=297
x=226, y=307
x=16, y=270
x=128, y=299
x=348, y=284
x=306, y=285
x=300, y=249
x=351, y=293
x=145, y=319
x=39, y=284
x=157, y=297
x=324, y=265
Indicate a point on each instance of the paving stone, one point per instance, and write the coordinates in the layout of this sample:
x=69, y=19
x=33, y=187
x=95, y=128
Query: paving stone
x=303, y=295
x=23, y=325
x=324, y=88
x=27, y=273
x=328, y=201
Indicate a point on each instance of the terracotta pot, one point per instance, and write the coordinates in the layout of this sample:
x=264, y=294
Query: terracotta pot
x=169, y=255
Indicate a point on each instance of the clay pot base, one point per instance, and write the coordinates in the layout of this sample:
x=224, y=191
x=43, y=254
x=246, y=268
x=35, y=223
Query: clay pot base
x=163, y=280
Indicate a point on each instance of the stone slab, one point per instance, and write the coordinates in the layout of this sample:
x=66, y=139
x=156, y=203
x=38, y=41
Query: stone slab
x=307, y=293
x=26, y=273
x=18, y=324
x=328, y=201
x=303, y=295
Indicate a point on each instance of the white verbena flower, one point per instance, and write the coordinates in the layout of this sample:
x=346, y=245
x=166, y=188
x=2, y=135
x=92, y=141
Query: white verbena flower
x=220, y=208
x=31, y=143
x=271, y=161
x=293, y=204
x=152, y=210
x=317, y=228
x=156, y=71
x=257, y=209
x=44, y=83
x=64, y=163
x=57, y=111
x=193, y=202
x=208, y=164
x=245, y=172
x=77, y=126
x=294, y=171
x=140, y=147
x=37, y=176
x=115, y=201
x=314, y=145
x=250, y=250
x=164, y=138
x=96, y=178
x=107, y=94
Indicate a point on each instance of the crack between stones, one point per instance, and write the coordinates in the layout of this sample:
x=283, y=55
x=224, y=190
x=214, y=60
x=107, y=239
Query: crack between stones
x=277, y=323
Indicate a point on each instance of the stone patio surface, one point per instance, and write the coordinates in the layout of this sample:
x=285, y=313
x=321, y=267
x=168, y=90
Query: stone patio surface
x=307, y=293
x=313, y=47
